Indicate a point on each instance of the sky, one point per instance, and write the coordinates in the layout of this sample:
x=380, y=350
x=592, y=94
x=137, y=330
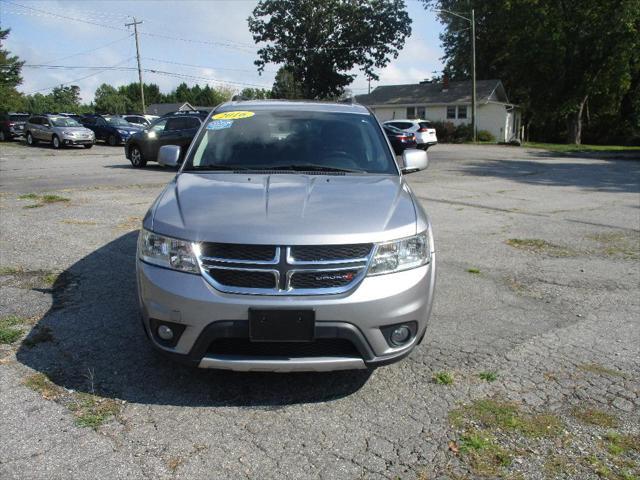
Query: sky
x=192, y=41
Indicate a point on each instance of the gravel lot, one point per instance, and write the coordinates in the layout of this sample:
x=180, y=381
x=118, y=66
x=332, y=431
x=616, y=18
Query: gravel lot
x=530, y=368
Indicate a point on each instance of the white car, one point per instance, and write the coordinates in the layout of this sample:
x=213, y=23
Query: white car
x=423, y=129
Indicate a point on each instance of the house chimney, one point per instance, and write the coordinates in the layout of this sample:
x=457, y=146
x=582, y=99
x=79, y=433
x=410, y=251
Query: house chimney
x=445, y=82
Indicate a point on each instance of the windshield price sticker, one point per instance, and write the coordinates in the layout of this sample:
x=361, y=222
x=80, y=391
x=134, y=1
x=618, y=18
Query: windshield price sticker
x=233, y=115
x=219, y=124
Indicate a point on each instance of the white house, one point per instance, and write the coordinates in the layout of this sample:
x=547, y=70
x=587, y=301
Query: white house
x=448, y=102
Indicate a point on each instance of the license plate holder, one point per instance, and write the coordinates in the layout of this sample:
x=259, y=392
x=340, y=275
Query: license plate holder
x=281, y=325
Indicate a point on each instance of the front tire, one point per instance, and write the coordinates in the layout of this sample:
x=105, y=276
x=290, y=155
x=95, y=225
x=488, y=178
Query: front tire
x=55, y=141
x=88, y=146
x=3, y=137
x=112, y=141
x=30, y=140
x=137, y=159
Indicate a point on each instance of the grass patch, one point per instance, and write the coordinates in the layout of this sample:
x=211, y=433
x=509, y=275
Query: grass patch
x=593, y=416
x=617, y=443
x=49, y=279
x=71, y=221
x=482, y=453
x=8, y=331
x=475, y=271
x=570, y=148
x=539, y=246
x=43, y=200
x=40, y=383
x=28, y=196
x=92, y=411
x=616, y=244
x=557, y=466
x=11, y=270
x=443, y=378
x=488, y=376
x=40, y=334
x=601, y=370
x=506, y=416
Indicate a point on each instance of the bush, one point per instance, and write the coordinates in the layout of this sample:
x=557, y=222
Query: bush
x=447, y=132
x=485, y=136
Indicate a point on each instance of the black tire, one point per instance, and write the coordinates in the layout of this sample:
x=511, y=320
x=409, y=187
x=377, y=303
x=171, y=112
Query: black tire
x=136, y=158
x=88, y=146
x=112, y=140
x=30, y=140
x=55, y=142
x=3, y=137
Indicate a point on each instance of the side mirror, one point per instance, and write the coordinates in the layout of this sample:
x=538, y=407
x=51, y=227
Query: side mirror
x=169, y=155
x=414, y=160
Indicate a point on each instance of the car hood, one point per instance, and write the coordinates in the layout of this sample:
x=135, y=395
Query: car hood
x=75, y=129
x=284, y=209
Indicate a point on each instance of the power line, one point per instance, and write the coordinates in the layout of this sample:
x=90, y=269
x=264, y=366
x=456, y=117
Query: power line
x=78, y=79
x=89, y=51
x=204, y=66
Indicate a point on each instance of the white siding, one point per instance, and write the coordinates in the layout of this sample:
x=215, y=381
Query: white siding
x=492, y=117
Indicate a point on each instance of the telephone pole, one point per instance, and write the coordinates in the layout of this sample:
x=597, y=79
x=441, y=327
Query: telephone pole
x=474, y=120
x=135, y=24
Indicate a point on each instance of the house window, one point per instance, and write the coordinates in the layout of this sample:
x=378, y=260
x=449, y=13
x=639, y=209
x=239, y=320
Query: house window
x=462, y=111
x=451, y=111
x=421, y=112
x=411, y=112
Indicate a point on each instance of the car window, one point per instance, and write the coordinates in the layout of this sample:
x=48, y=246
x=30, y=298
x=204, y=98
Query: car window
x=158, y=126
x=101, y=122
x=284, y=139
x=426, y=125
x=34, y=121
x=117, y=121
x=64, y=122
x=191, y=123
x=89, y=121
x=18, y=118
x=173, y=124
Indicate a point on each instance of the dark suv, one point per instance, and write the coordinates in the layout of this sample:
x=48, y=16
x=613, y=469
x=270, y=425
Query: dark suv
x=12, y=125
x=111, y=129
x=179, y=128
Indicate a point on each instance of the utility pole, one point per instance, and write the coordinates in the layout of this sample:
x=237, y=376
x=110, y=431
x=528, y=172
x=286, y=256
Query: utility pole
x=369, y=85
x=472, y=21
x=135, y=24
x=473, y=75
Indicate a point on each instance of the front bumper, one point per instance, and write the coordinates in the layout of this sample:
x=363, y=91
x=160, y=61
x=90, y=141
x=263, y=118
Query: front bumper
x=206, y=314
x=77, y=141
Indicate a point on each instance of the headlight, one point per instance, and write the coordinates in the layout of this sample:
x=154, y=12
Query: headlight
x=66, y=132
x=122, y=132
x=401, y=255
x=167, y=252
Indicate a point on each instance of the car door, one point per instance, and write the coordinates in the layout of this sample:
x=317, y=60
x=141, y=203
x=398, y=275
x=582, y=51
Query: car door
x=189, y=129
x=46, y=129
x=102, y=129
x=172, y=132
x=151, y=143
x=33, y=125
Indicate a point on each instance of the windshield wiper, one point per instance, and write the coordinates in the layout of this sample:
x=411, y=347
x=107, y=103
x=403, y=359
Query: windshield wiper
x=313, y=168
x=216, y=168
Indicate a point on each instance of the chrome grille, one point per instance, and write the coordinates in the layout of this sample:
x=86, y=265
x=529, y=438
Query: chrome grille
x=284, y=270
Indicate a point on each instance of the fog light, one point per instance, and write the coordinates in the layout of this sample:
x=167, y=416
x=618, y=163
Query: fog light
x=400, y=335
x=165, y=333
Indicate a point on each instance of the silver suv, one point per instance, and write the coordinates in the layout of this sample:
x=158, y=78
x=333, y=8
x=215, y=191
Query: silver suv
x=59, y=130
x=288, y=241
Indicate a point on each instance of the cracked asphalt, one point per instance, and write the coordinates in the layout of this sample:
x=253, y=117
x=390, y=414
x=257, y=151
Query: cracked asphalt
x=539, y=283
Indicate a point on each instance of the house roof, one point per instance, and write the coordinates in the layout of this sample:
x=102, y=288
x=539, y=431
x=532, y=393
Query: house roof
x=433, y=93
x=163, y=108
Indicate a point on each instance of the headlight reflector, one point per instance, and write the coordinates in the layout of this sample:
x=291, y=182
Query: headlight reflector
x=167, y=252
x=400, y=255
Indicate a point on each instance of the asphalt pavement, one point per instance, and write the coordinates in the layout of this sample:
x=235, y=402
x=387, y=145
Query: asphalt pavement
x=537, y=314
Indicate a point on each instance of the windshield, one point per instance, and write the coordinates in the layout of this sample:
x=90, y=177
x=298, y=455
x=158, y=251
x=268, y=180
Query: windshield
x=292, y=140
x=18, y=118
x=117, y=121
x=64, y=122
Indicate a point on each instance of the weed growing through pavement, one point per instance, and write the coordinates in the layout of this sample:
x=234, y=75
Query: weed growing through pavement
x=539, y=246
x=488, y=376
x=8, y=331
x=593, y=416
x=443, y=378
x=43, y=200
x=473, y=270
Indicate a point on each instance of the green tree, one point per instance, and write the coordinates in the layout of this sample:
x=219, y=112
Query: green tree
x=285, y=85
x=109, y=100
x=66, y=99
x=554, y=57
x=10, y=77
x=255, y=93
x=322, y=41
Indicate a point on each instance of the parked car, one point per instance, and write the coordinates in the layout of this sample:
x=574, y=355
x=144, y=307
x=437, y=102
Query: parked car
x=112, y=129
x=423, y=129
x=288, y=241
x=57, y=130
x=12, y=125
x=137, y=120
x=399, y=139
x=176, y=129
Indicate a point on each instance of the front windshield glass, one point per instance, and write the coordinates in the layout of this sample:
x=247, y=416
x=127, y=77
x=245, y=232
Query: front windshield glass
x=64, y=122
x=117, y=121
x=292, y=140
